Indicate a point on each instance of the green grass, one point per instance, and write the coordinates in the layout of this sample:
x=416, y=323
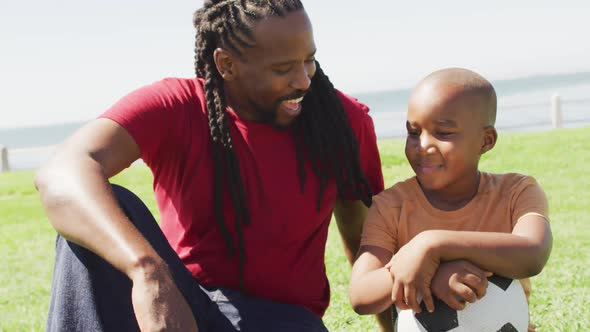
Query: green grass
x=561, y=293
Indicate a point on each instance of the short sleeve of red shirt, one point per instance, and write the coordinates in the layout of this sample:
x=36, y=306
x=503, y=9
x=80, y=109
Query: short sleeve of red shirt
x=147, y=115
x=362, y=125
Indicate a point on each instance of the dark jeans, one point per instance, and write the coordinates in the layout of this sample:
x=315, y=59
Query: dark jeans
x=88, y=294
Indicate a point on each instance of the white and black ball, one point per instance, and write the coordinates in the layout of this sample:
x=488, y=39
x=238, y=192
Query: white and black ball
x=504, y=308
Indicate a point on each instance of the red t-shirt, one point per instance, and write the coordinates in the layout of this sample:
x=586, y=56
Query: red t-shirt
x=286, y=238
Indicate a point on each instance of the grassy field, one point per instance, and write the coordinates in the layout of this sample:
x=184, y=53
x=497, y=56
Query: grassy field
x=558, y=159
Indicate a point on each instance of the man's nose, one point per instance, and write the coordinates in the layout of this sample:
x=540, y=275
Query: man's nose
x=302, y=78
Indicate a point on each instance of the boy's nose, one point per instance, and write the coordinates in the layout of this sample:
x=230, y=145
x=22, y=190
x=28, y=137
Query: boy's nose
x=426, y=144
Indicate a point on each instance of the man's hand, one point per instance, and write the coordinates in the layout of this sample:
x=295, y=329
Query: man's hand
x=412, y=269
x=457, y=282
x=157, y=302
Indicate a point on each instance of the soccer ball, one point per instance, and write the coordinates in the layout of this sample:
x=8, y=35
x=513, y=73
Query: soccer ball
x=504, y=308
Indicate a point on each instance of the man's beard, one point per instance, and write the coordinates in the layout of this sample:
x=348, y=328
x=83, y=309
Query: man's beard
x=270, y=115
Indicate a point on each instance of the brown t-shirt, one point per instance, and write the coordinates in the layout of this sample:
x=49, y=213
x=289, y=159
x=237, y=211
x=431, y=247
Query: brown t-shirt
x=402, y=211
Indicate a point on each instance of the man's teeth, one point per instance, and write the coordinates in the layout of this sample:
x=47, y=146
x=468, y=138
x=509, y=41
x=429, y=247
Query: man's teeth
x=294, y=101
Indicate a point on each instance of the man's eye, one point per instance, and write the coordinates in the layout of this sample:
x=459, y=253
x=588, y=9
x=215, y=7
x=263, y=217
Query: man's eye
x=413, y=133
x=444, y=133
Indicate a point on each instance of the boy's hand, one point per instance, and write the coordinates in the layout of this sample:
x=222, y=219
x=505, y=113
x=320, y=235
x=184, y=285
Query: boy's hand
x=412, y=269
x=460, y=281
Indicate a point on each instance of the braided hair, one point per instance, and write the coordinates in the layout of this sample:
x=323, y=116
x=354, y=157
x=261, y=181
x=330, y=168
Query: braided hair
x=323, y=135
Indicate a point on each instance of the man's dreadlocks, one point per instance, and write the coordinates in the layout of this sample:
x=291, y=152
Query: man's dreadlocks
x=322, y=132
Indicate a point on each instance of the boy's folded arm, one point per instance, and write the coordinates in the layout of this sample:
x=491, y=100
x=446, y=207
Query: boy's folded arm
x=370, y=282
x=458, y=282
x=521, y=254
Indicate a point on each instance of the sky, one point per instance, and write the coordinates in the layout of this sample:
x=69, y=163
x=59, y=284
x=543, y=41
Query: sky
x=66, y=61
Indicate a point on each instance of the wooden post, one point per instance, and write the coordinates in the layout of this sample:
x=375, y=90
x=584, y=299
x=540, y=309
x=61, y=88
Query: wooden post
x=556, y=118
x=4, y=159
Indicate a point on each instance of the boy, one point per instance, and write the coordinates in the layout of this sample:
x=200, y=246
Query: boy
x=443, y=231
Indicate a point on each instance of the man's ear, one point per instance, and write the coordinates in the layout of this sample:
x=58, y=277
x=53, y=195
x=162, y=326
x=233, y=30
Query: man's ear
x=225, y=63
x=490, y=136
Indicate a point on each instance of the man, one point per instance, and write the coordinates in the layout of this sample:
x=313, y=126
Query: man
x=249, y=161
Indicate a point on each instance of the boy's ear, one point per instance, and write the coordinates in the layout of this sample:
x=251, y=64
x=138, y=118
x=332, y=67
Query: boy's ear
x=225, y=63
x=490, y=136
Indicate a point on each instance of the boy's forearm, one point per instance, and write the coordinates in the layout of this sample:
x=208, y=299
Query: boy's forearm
x=509, y=255
x=371, y=292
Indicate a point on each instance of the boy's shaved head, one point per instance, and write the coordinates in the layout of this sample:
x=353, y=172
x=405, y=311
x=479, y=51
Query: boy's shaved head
x=450, y=123
x=460, y=82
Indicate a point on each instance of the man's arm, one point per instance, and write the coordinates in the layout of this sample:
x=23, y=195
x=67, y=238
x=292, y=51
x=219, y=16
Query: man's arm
x=77, y=198
x=75, y=192
x=350, y=216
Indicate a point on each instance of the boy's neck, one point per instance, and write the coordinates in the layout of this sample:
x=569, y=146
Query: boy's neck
x=450, y=200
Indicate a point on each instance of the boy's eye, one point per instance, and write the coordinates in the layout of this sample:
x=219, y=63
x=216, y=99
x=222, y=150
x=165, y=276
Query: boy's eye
x=413, y=133
x=282, y=70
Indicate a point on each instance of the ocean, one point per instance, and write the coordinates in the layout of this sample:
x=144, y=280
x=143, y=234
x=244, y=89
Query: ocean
x=524, y=104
